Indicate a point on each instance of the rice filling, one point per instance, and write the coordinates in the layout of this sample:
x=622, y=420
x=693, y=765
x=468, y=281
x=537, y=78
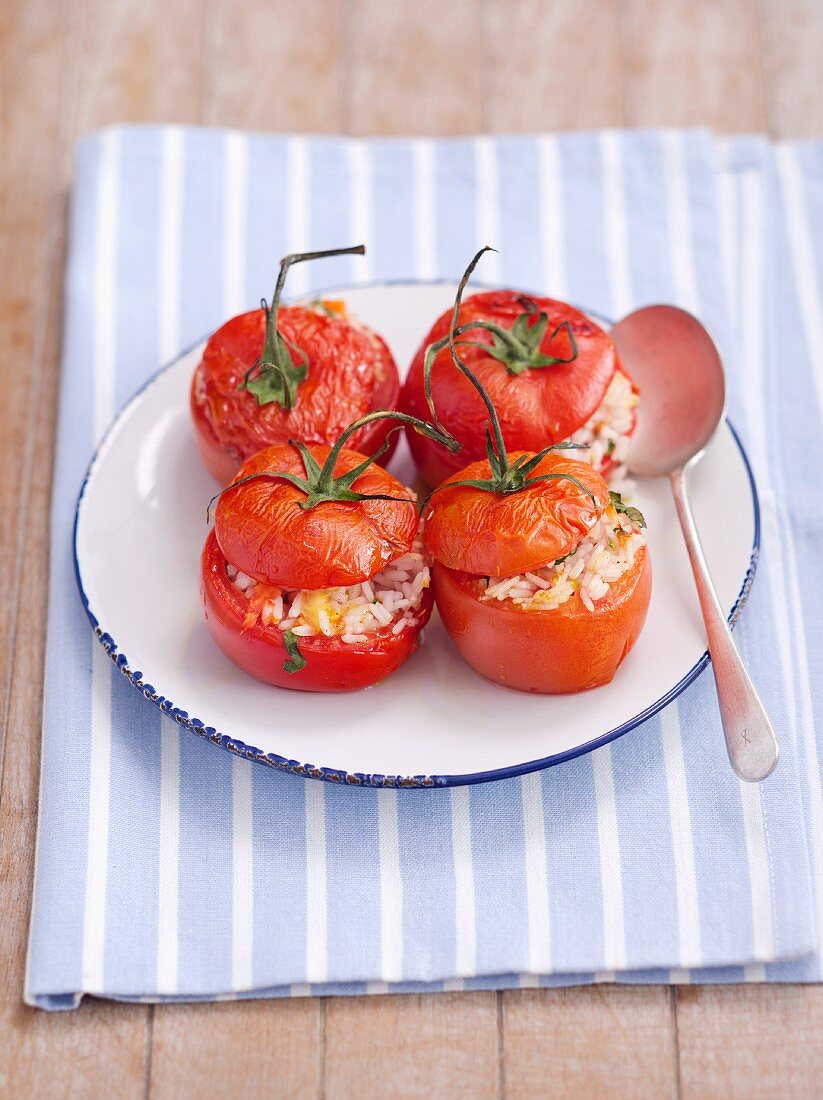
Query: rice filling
x=601, y=558
x=607, y=433
x=390, y=601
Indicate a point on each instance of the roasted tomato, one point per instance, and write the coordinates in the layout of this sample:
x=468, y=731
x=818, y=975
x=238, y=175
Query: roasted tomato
x=314, y=576
x=552, y=373
x=541, y=574
x=546, y=589
x=289, y=372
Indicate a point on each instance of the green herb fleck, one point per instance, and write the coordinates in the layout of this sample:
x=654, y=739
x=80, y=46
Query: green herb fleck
x=634, y=514
x=296, y=659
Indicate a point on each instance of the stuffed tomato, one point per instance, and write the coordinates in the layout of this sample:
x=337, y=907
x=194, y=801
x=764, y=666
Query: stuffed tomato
x=546, y=590
x=314, y=576
x=289, y=372
x=552, y=373
x=541, y=573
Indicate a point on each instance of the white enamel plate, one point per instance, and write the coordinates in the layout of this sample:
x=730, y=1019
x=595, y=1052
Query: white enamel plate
x=141, y=513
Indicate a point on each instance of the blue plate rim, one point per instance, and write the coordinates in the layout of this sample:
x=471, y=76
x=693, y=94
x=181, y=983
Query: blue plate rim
x=378, y=780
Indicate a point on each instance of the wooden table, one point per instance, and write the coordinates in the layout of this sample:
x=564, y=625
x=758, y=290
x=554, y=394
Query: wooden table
x=360, y=67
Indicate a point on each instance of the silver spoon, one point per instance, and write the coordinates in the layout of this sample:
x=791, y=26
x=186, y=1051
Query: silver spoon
x=677, y=366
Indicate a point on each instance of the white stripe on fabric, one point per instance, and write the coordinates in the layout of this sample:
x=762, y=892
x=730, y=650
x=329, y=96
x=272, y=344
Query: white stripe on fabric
x=234, y=268
x=105, y=320
x=759, y=879
x=464, y=914
x=168, y=878
x=611, y=876
x=425, y=209
x=808, y=289
x=751, y=336
x=488, y=207
x=242, y=876
x=234, y=223
x=391, y=888
x=298, y=237
x=316, y=901
x=617, y=248
x=360, y=208
x=684, y=279
x=800, y=243
x=552, y=245
x=688, y=905
x=537, y=889
x=169, y=301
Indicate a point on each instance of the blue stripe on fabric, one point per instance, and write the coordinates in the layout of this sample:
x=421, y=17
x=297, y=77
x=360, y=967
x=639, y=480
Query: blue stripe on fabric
x=201, y=308
x=392, y=245
x=456, y=223
x=424, y=828
x=573, y=865
x=499, y=884
x=353, y=882
x=329, y=212
x=583, y=223
x=279, y=806
x=205, y=896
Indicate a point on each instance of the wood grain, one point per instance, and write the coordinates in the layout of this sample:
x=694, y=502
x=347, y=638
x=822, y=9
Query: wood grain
x=245, y=1048
x=792, y=38
x=694, y=63
x=753, y=1041
x=590, y=1041
x=412, y=1046
x=66, y=69
x=414, y=68
x=277, y=66
x=555, y=66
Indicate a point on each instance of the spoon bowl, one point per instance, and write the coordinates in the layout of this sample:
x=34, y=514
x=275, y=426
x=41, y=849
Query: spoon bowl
x=678, y=368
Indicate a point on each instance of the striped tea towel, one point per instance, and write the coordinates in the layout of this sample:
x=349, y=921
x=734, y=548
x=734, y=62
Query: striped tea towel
x=169, y=870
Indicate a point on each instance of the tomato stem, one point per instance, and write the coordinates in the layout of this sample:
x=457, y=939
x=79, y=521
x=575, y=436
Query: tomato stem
x=276, y=375
x=506, y=477
x=320, y=484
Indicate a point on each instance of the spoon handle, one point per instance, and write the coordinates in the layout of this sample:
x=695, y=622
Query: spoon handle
x=750, y=739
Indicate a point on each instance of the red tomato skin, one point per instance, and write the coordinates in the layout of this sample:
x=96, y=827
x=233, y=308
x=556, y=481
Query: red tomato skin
x=331, y=665
x=536, y=407
x=263, y=530
x=552, y=652
x=351, y=373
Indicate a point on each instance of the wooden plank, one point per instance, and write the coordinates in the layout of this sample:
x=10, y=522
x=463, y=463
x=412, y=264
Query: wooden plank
x=555, y=66
x=792, y=47
x=597, y=1040
x=65, y=69
x=247, y=1048
x=693, y=63
x=277, y=67
x=439, y=1044
x=414, y=69
x=753, y=1041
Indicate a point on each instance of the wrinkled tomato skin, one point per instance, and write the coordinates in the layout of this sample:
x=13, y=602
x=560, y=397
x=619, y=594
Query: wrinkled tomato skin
x=552, y=652
x=331, y=665
x=264, y=531
x=351, y=373
x=536, y=407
